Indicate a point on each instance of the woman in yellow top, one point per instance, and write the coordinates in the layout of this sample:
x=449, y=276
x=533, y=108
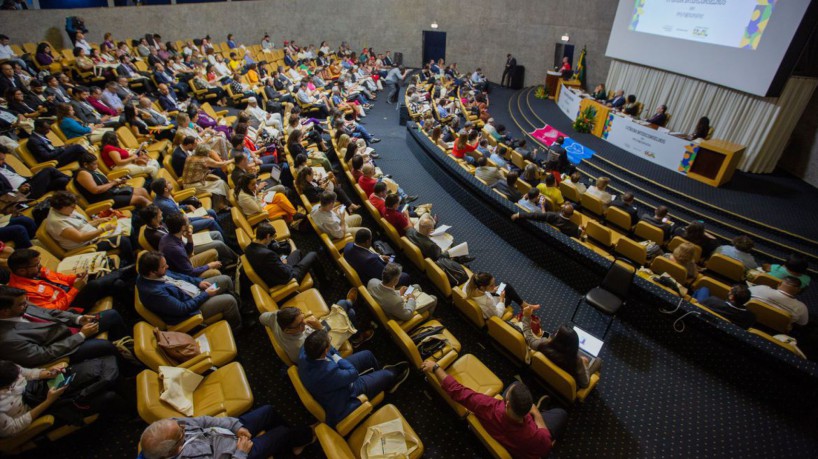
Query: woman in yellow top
x=549, y=189
x=252, y=76
x=250, y=203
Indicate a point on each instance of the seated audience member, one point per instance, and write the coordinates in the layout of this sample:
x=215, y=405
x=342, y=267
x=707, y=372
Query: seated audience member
x=177, y=248
x=660, y=117
x=695, y=233
x=313, y=189
x=274, y=268
x=334, y=221
x=627, y=203
x=117, y=158
x=336, y=383
x=378, y=197
x=500, y=157
x=632, y=107
x=95, y=187
x=397, y=303
x=574, y=177
x=20, y=388
x=31, y=336
x=740, y=250
x=562, y=348
x=549, y=189
x=365, y=261
x=561, y=220
x=557, y=155
x=155, y=230
x=702, y=129
x=176, y=297
x=515, y=421
x=429, y=248
x=784, y=297
x=531, y=175
x=163, y=199
x=223, y=437
x=250, y=203
x=795, y=266
x=397, y=218
x=181, y=152
x=72, y=230
x=34, y=187
x=20, y=230
x=658, y=219
x=482, y=288
x=367, y=180
x=618, y=100
x=197, y=174
x=684, y=254
x=508, y=187
x=43, y=150
x=52, y=290
x=532, y=201
x=599, y=190
x=462, y=147
x=733, y=308
x=489, y=174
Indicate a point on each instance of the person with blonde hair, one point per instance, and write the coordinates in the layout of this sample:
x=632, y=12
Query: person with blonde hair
x=196, y=174
x=600, y=190
x=684, y=254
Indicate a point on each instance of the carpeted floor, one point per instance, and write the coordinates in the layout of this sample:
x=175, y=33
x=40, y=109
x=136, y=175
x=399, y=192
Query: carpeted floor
x=662, y=394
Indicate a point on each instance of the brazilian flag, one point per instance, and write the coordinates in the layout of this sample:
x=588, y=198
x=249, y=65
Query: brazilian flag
x=581, y=70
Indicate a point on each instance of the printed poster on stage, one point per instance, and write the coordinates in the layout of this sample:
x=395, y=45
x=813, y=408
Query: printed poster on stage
x=657, y=147
x=569, y=102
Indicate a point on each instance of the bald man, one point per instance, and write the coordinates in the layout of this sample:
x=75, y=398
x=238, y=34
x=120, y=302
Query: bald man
x=224, y=437
x=784, y=297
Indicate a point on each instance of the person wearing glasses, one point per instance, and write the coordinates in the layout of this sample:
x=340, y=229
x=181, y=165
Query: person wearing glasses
x=221, y=437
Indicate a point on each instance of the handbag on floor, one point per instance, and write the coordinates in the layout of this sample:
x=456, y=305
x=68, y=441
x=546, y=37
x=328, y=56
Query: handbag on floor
x=387, y=441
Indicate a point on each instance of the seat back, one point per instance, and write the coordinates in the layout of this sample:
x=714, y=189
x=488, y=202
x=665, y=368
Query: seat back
x=307, y=399
x=405, y=343
x=330, y=246
x=678, y=240
x=391, y=232
x=438, y=277
x=770, y=316
x=599, y=234
x=788, y=346
x=661, y=265
x=509, y=338
x=493, y=446
x=252, y=274
x=413, y=253
x=768, y=280
x=363, y=293
x=143, y=241
x=147, y=314
x=717, y=288
x=725, y=266
x=468, y=307
x=632, y=250
x=18, y=166
x=168, y=171
x=350, y=273
x=649, y=232
x=557, y=378
x=126, y=138
x=242, y=238
x=241, y=221
x=618, y=279
x=25, y=154
x=570, y=192
x=332, y=443
x=592, y=204
x=47, y=259
x=146, y=348
x=49, y=243
x=619, y=218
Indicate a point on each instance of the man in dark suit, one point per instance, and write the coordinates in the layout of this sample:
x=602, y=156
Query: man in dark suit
x=31, y=336
x=273, y=268
x=557, y=156
x=618, y=100
x=365, y=261
x=180, y=154
x=660, y=117
x=628, y=204
x=511, y=65
x=86, y=112
x=43, y=150
x=428, y=247
x=9, y=80
x=53, y=88
x=163, y=77
x=561, y=220
x=733, y=309
x=47, y=179
x=168, y=100
x=658, y=219
x=509, y=186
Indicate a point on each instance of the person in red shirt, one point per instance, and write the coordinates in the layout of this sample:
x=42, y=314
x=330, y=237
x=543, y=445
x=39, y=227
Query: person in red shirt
x=378, y=198
x=515, y=422
x=398, y=219
x=95, y=99
x=367, y=181
x=462, y=147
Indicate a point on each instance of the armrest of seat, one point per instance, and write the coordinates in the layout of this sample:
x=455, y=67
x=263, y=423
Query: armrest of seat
x=34, y=429
x=181, y=195
x=255, y=219
x=356, y=417
x=78, y=251
x=283, y=291
x=215, y=410
x=98, y=207
x=199, y=364
x=75, y=140
x=113, y=175
x=412, y=323
x=40, y=166
x=222, y=113
x=188, y=324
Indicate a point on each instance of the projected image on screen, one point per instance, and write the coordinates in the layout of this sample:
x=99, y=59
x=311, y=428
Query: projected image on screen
x=734, y=23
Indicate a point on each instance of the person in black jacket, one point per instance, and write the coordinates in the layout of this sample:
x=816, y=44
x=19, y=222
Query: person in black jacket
x=43, y=150
x=508, y=187
x=511, y=65
x=659, y=219
x=273, y=268
x=628, y=204
x=561, y=220
x=47, y=179
x=733, y=309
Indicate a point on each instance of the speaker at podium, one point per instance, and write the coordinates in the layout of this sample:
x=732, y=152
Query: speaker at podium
x=563, y=50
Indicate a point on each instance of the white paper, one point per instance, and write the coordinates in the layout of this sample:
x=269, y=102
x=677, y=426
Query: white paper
x=87, y=262
x=444, y=241
x=440, y=230
x=460, y=250
x=204, y=344
x=202, y=238
x=269, y=196
x=200, y=212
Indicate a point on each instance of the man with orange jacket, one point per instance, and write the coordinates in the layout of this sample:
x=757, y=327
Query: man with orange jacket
x=51, y=290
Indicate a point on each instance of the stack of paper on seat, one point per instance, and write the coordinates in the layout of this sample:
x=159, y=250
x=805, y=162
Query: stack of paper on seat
x=460, y=250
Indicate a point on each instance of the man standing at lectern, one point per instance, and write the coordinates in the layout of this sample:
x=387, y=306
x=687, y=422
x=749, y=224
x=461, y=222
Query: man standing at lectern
x=511, y=65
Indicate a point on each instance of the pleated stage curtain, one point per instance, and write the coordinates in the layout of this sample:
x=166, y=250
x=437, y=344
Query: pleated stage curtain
x=763, y=124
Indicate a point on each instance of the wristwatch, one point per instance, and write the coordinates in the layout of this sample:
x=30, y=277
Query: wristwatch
x=436, y=367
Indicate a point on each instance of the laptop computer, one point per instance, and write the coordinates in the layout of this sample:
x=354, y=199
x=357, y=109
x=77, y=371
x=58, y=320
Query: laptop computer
x=589, y=345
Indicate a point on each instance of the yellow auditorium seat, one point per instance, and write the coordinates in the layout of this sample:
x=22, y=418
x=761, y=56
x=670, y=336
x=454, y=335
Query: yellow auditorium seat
x=413, y=253
x=678, y=240
x=224, y=392
x=335, y=447
x=619, y=218
x=788, y=346
x=154, y=149
x=770, y=316
x=472, y=310
x=649, y=232
x=510, y=338
x=185, y=326
x=569, y=192
x=558, y=379
x=592, y=204
x=277, y=292
x=496, y=450
x=219, y=338
x=717, y=288
x=439, y=278
x=661, y=265
x=363, y=295
x=632, y=250
x=726, y=267
x=39, y=430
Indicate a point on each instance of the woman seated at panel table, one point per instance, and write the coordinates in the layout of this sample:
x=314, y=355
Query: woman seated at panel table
x=600, y=94
x=562, y=348
x=482, y=288
x=702, y=130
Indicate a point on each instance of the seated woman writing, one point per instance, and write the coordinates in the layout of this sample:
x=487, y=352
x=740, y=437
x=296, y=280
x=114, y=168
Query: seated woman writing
x=134, y=161
x=482, y=288
x=94, y=186
x=250, y=203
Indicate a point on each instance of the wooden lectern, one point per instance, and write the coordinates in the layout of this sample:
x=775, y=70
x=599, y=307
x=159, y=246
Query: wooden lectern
x=715, y=162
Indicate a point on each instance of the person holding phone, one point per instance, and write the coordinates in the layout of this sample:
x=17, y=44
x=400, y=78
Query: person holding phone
x=399, y=303
x=15, y=414
x=482, y=287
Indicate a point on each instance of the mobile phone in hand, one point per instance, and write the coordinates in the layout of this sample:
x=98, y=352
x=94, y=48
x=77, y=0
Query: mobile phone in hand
x=214, y=286
x=409, y=290
x=501, y=288
x=391, y=258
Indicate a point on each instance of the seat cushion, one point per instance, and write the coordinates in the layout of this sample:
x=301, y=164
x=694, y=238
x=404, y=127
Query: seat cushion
x=310, y=301
x=222, y=345
x=469, y=371
x=386, y=413
x=282, y=230
x=227, y=386
x=603, y=300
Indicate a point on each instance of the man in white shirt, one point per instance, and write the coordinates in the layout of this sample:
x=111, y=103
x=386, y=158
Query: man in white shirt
x=333, y=221
x=599, y=190
x=393, y=80
x=111, y=98
x=399, y=304
x=532, y=202
x=6, y=54
x=784, y=298
x=478, y=80
x=81, y=43
x=263, y=119
x=304, y=96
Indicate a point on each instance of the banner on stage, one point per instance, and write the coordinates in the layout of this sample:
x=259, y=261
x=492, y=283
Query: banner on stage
x=546, y=135
x=569, y=102
x=657, y=147
x=576, y=151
